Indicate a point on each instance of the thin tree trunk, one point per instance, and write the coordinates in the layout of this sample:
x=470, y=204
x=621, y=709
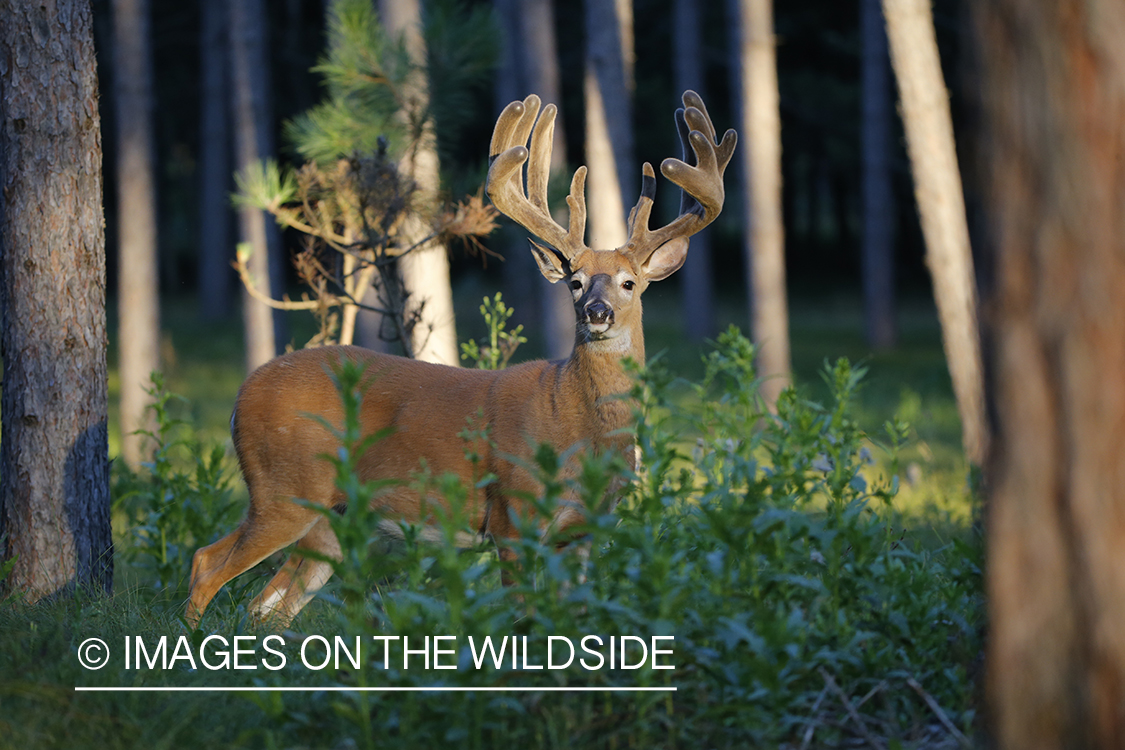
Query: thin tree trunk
x=878, y=197
x=761, y=158
x=518, y=268
x=688, y=70
x=941, y=206
x=265, y=328
x=137, y=288
x=54, y=469
x=1053, y=94
x=215, y=273
x=609, y=120
x=541, y=67
x=425, y=272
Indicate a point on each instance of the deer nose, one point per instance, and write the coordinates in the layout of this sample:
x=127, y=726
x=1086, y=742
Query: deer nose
x=598, y=313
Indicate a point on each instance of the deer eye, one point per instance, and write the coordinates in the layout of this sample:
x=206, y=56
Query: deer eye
x=628, y=286
x=575, y=284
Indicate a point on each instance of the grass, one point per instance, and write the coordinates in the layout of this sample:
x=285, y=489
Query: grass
x=737, y=632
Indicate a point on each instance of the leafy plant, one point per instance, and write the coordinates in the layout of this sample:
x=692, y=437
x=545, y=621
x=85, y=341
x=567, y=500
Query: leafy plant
x=180, y=500
x=759, y=541
x=502, y=343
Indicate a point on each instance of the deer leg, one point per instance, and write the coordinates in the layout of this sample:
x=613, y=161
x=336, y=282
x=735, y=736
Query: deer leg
x=254, y=540
x=299, y=579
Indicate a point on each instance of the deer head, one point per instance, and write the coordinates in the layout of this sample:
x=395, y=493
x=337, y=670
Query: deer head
x=606, y=284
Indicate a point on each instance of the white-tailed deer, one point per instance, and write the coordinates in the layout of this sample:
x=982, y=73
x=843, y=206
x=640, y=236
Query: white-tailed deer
x=563, y=404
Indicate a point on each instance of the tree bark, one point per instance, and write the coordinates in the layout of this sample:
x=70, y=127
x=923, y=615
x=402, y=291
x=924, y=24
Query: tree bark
x=941, y=206
x=54, y=470
x=878, y=196
x=138, y=284
x=215, y=273
x=609, y=120
x=541, y=66
x=698, y=292
x=253, y=138
x=425, y=271
x=761, y=159
x=1053, y=94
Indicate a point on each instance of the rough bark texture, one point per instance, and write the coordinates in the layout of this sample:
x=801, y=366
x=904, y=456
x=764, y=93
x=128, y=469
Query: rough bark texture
x=1054, y=101
x=253, y=139
x=54, y=472
x=425, y=272
x=878, y=196
x=609, y=121
x=215, y=274
x=941, y=206
x=138, y=306
x=761, y=158
x=688, y=71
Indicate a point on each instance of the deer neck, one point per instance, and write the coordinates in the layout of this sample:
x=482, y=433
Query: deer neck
x=596, y=370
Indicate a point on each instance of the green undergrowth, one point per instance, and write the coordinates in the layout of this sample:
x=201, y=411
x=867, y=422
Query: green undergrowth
x=762, y=553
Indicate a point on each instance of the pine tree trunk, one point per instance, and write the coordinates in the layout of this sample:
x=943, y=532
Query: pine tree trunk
x=1053, y=94
x=215, y=273
x=54, y=470
x=609, y=120
x=253, y=139
x=878, y=197
x=137, y=288
x=761, y=158
x=541, y=67
x=941, y=205
x=425, y=272
x=688, y=70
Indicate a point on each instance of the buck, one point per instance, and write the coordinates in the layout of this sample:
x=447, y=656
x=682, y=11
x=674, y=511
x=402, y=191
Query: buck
x=564, y=403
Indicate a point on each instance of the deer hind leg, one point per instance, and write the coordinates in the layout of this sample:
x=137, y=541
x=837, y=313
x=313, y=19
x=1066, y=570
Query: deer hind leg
x=255, y=539
x=300, y=578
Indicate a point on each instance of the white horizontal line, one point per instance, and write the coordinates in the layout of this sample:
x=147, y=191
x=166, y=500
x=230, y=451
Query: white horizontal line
x=341, y=689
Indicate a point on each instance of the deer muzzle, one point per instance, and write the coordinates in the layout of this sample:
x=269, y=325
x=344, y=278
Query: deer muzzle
x=599, y=316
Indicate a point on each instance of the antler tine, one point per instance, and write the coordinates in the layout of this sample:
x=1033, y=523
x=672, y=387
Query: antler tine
x=504, y=185
x=699, y=175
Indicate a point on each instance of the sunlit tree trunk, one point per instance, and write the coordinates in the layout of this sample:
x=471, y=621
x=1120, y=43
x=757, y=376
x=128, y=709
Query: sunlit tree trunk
x=54, y=469
x=138, y=308
x=253, y=139
x=215, y=274
x=761, y=159
x=688, y=71
x=609, y=121
x=1053, y=94
x=425, y=272
x=878, y=196
x=941, y=206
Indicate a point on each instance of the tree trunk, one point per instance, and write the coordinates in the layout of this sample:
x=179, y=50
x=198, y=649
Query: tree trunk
x=215, y=273
x=878, y=196
x=1053, y=93
x=761, y=159
x=253, y=137
x=941, y=206
x=54, y=470
x=518, y=268
x=137, y=287
x=425, y=272
x=688, y=70
x=612, y=175
x=541, y=66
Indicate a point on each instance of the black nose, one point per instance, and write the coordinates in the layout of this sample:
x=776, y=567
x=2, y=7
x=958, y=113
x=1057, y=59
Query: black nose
x=598, y=313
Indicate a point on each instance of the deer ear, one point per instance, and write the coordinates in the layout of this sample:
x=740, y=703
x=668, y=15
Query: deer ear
x=666, y=259
x=551, y=265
